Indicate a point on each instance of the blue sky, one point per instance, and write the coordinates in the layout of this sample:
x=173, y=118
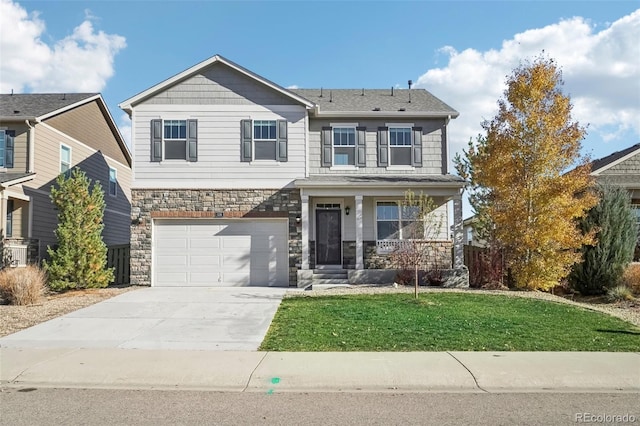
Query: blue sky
x=459, y=50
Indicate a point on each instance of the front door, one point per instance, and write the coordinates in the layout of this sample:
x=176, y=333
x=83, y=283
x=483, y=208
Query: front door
x=328, y=237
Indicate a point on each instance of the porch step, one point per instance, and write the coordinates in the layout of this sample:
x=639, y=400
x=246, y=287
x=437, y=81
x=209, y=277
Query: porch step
x=328, y=278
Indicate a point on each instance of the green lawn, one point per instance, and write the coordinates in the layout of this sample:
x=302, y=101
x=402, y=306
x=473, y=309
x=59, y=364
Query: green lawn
x=443, y=322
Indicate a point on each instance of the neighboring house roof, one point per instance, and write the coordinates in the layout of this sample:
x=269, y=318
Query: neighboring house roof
x=398, y=102
x=36, y=105
x=380, y=180
x=600, y=165
x=130, y=103
x=8, y=179
x=40, y=106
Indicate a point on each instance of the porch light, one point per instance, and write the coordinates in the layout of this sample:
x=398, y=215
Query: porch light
x=347, y=210
x=298, y=219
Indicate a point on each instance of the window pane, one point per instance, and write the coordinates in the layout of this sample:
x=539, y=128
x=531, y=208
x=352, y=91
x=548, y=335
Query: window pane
x=2, y=143
x=400, y=137
x=65, y=154
x=400, y=156
x=175, y=150
x=387, y=211
x=344, y=136
x=265, y=150
x=412, y=230
x=344, y=157
x=264, y=129
x=175, y=129
x=387, y=230
x=112, y=187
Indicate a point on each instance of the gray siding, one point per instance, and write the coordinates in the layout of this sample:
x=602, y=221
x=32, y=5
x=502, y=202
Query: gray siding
x=626, y=173
x=219, y=144
x=433, y=139
x=45, y=220
x=219, y=85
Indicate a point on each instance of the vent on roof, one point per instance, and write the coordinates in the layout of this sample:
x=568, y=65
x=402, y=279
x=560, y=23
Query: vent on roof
x=402, y=109
x=409, y=96
x=391, y=90
x=410, y=82
x=376, y=109
x=321, y=92
x=15, y=111
x=362, y=92
x=330, y=96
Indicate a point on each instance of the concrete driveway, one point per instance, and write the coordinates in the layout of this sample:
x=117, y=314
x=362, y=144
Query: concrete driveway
x=187, y=318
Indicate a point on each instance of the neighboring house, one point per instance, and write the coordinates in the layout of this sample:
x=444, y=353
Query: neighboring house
x=469, y=233
x=622, y=168
x=41, y=136
x=239, y=181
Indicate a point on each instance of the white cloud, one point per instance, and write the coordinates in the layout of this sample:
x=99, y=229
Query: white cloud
x=124, y=124
x=293, y=86
x=80, y=62
x=601, y=71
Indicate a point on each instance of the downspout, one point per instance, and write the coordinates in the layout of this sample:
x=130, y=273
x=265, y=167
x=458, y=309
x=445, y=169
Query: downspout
x=31, y=146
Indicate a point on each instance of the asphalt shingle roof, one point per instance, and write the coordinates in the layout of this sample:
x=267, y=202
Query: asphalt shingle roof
x=11, y=176
x=366, y=100
x=605, y=161
x=29, y=105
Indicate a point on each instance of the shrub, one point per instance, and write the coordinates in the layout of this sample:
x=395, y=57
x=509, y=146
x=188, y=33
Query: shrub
x=631, y=278
x=22, y=286
x=619, y=293
x=80, y=260
x=614, y=224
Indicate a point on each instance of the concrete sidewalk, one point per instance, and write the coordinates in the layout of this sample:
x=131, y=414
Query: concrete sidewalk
x=321, y=371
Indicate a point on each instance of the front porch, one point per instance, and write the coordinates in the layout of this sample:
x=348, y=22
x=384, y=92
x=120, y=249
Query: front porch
x=17, y=247
x=354, y=224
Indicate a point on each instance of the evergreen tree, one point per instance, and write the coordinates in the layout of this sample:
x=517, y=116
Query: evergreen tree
x=616, y=230
x=80, y=259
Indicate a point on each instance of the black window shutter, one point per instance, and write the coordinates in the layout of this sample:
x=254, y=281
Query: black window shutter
x=281, y=155
x=9, y=146
x=417, y=147
x=192, y=140
x=325, y=136
x=246, y=138
x=361, y=147
x=383, y=146
x=156, y=140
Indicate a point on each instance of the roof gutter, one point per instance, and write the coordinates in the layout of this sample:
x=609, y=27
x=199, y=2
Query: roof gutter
x=384, y=114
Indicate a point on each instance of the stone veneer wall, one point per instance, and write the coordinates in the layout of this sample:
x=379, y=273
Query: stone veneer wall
x=373, y=260
x=147, y=204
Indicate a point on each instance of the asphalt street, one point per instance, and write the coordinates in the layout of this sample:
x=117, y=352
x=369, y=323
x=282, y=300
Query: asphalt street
x=33, y=406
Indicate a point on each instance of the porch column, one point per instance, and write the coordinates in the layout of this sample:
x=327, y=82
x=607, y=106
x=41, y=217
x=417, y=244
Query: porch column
x=458, y=253
x=305, y=231
x=359, y=248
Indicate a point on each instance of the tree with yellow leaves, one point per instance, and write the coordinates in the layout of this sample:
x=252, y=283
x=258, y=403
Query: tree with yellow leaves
x=521, y=164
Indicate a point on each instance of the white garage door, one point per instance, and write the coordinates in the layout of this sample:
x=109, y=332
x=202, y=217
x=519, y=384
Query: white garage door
x=222, y=252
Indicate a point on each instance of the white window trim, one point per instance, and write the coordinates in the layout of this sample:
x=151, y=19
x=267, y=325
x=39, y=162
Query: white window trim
x=3, y=168
x=62, y=146
x=253, y=144
x=116, y=181
x=353, y=126
x=375, y=222
x=399, y=167
x=164, y=148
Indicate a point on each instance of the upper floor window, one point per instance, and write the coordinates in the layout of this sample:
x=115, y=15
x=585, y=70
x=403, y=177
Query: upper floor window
x=263, y=140
x=6, y=148
x=344, y=146
x=636, y=210
x=397, y=222
x=400, y=146
x=65, y=158
x=113, y=181
x=174, y=140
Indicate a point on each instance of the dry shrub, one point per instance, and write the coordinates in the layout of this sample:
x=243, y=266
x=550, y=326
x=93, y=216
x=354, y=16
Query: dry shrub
x=620, y=293
x=22, y=286
x=631, y=278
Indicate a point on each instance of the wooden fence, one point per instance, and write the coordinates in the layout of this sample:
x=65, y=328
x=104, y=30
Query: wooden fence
x=484, y=266
x=118, y=258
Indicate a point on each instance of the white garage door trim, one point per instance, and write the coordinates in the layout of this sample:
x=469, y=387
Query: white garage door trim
x=220, y=252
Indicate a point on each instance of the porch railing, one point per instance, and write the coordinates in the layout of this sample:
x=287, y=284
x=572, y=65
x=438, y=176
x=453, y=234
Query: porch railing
x=19, y=252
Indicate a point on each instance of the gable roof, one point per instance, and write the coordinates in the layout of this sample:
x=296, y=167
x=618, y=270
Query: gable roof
x=600, y=165
x=40, y=106
x=129, y=103
x=377, y=102
x=26, y=106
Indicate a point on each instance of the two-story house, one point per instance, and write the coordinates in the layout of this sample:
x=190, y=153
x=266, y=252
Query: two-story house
x=42, y=136
x=239, y=181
